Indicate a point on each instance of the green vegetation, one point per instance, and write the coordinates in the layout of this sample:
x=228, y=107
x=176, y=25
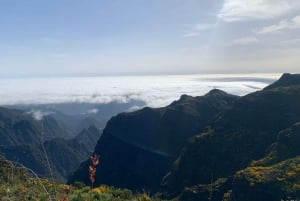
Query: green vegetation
x=254, y=145
x=239, y=149
x=275, y=182
x=19, y=183
x=286, y=172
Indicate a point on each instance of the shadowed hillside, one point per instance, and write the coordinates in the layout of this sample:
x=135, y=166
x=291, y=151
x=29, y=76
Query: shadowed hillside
x=241, y=135
x=138, y=148
x=228, y=146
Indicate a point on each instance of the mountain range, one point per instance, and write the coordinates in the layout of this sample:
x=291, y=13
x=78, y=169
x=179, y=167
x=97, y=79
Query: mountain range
x=45, y=146
x=214, y=147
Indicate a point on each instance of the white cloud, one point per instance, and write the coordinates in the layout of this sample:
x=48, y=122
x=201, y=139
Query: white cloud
x=245, y=41
x=38, y=115
x=190, y=34
x=155, y=91
x=196, y=29
x=93, y=111
x=283, y=25
x=134, y=108
x=240, y=10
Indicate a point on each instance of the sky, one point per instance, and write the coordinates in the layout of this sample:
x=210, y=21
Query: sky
x=143, y=37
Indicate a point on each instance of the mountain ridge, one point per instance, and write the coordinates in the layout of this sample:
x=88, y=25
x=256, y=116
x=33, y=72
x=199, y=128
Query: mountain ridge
x=240, y=134
x=151, y=136
x=31, y=141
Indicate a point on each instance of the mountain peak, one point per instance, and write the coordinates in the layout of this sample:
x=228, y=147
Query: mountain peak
x=287, y=79
x=216, y=92
x=184, y=97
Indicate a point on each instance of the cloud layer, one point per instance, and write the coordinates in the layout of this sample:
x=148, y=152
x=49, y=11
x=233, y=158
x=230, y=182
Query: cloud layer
x=155, y=91
x=237, y=10
x=38, y=115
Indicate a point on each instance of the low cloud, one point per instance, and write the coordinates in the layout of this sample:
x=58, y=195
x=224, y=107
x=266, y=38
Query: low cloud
x=237, y=10
x=134, y=108
x=38, y=115
x=93, y=111
x=154, y=91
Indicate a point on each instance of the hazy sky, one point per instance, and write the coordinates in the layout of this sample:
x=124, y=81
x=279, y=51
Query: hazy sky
x=97, y=37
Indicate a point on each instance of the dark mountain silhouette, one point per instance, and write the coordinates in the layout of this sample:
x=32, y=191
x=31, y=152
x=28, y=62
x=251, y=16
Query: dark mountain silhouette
x=286, y=80
x=239, y=148
x=138, y=148
x=240, y=136
x=77, y=116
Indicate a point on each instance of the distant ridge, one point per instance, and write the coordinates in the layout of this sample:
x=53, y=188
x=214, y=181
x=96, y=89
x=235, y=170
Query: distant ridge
x=24, y=139
x=287, y=79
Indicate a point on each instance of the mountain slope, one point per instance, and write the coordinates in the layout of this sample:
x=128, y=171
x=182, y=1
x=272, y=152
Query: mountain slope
x=88, y=137
x=17, y=128
x=277, y=175
x=137, y=148
x=30, y=142
x=242, y=134
x=286, y=80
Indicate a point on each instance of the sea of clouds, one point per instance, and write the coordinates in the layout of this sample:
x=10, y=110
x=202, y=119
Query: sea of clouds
x=155, y=91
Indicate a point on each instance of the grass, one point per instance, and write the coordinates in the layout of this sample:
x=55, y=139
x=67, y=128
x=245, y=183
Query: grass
x=31, y=191
x=20, y=184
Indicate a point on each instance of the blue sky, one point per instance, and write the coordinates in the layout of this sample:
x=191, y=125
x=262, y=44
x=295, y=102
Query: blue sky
x=97, y=37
